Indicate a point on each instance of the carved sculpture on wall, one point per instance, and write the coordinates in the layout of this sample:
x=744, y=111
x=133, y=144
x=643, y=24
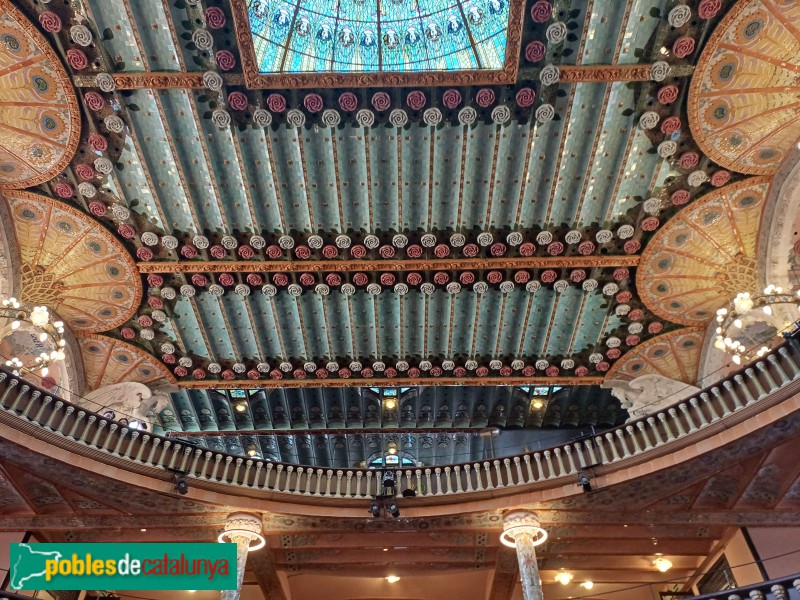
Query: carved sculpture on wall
x=648, y=394
x=130, y=400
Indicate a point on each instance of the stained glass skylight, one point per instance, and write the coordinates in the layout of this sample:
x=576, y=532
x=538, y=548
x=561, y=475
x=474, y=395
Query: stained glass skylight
x=378, y=36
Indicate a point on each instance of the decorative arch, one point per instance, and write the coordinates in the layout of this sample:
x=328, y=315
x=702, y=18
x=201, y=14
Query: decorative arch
x=40, y=120
x=107, y=361
x=675, y=355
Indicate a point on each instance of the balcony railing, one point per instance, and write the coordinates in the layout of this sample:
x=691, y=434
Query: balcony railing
x=732, y=399
x=786, y=588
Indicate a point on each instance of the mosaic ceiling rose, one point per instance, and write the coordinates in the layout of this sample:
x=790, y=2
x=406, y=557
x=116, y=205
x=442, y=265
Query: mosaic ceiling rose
x=107, y=361
x=70, y=263
x=675, y=355
x=39, y=114
x=743, y=108
x=704, y=255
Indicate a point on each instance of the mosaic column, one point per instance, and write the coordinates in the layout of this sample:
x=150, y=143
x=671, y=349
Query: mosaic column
x=244, y=530
x=521, y=530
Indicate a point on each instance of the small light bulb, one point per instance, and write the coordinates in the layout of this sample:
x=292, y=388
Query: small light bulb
x=45, y=371
x=537, y=404
x=587, y=585
x=392, y=579
x=737, y=359
x=719, y=330
x=737, y=323
x=15, y=325
x=767, y=310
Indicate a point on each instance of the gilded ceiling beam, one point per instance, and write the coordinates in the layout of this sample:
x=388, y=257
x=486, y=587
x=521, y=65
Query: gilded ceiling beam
x=316, y=266
x=605, y=73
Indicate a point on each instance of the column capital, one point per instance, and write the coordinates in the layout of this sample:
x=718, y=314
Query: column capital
x=245, y=527
x=522, y=521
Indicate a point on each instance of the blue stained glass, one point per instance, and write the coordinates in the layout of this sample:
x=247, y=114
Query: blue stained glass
x=237, y=393
x=361, y=36
x=540, y=391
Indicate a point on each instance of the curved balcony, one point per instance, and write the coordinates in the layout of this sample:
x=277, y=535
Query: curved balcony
x=733, y=400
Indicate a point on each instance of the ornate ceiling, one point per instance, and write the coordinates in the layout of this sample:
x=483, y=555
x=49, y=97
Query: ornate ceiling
x=572, y=210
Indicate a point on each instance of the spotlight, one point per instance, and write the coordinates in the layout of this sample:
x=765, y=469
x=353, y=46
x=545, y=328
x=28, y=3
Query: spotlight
x=587, y=585
x=375, y=509
x=585, y=483
x=390, y=404
x=662, y=564
x=241, y=407
x=564, y=577
x=179, y=479
x=392, y=579
x=389, y=480
x=409, y=493
x=393, y=509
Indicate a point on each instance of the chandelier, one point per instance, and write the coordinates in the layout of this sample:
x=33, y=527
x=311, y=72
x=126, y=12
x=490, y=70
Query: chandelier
x=50, y=336
x=753, y=320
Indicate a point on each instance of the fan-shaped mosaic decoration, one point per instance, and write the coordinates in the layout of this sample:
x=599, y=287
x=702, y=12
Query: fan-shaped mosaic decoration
x=675, y=355
x=704, y=255
x=107, y=361
x=73, y=265
x=744, y=108
x=40, y=122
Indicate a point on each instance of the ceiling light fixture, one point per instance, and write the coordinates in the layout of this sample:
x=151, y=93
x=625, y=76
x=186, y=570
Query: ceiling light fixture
x=38, y=317
x=662, y=564
x=587, y=585
x=241, y=407
x=564, y=577
x=390, y=404
x=392, y=579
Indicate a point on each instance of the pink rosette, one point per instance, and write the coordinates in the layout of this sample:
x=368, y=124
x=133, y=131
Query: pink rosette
x=522, y=277
x=506, y=371
x=84, y=171
x=237, y=101
x=48, y=383
x=482, y=371
x=215, y=18
x=50, y=21
x=253, y=374
x=180, y=371
x=555, y=248
x=387, y=279
x=613, y=353
x=217, y=251
x=276, y=103
x=621, y=274
x=655, y=327
x=624, y=297
x=321, y=373
x=360, y=279
x=414, y=251
x=358, y=251
x=548, y=276
x=155, y=280
x=416, y=100
x=709, y=9
x=586, y=248
x=225, y=60
x=299, y=374
x=413, y=372
x=199, y=280
x=459, y=372
x=127, y=333
x=602, y=366
x=451, y=98
x=386, y=251
x=528, y=371
x=313, y=103
x=333, y=279
x=226, y=279
x=577, y=275
x=274, y=251
x=63, y=189
x=527, y=249
x=535, y=51
x=144, y=253
x=126, y=231
x=199, y=374
x=441, y=277
x=246, y=252
x=485, y=97
x=94, y=100
x=650, y=224
x=498, y=249
x=720, y=178
x=381, y=101
x=470, y=250
x=668, y=94
x=680, y=197
x=670, y=125
x=688, y=160
x=348, y=101
x=155, y=302
x=228, y=374
x=307, y=279
x=467, y=278
x=255, y=279
x=436, y=371
x=683, y=46
x=97, y=208
x=636, y=314
x=276, y=374
x=441, y=250
x=494, y=277
x=525, y=97
x=632, y=340
x=302, y=252
x=330, y=251
x=632, y=246
x=414, y=278
x=367, y=372
x=390, y=372
x=581, y=371
x=551, y=371
x=345, y=373
x=188, y=251
x=98, y=142
x=541, y=11
x=280, y=279
x=77, y=59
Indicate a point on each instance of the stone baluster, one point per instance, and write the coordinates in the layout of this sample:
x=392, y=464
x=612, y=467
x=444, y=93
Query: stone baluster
x=779, y=592
x=457, y=475
x=675, y=419
x=56, y=410
x=762, y=366
x=757, y=595
x=640, y=425
x=561, y=468
x=538, y=458
x=796, y=584
x=663, y=418
x=625, y=451
x=787, y=356
x=242, y=529
x=632, y=434
x=773, y=360
x=707, y=401
x=521, y=530
x=42, y=408
x=467, y=476
x=750, y=372
x=568, y=452
x=698, y=411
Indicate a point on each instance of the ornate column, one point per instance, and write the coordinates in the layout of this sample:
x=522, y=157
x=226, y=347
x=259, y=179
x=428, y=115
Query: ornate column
x=521, y=530
x=242, y=529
